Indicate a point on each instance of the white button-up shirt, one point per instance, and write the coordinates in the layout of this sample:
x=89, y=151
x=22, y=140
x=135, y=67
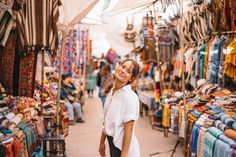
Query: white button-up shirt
x=119, y=108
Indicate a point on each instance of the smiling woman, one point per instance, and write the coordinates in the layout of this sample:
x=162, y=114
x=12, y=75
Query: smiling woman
x=121, y=112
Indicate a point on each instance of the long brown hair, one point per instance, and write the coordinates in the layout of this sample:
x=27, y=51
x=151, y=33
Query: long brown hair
x=135, y=74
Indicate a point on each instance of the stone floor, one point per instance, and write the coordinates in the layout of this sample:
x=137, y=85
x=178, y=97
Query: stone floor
x=83, y=139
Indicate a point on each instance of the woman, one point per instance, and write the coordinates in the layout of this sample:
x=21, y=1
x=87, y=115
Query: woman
x=121, y=112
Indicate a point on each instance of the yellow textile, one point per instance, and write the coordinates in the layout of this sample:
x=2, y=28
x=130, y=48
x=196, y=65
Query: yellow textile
x=207, y=49
x=166, y=116
x=230, y=60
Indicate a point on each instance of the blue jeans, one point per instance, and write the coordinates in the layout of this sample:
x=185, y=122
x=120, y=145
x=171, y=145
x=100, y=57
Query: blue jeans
x=71, y=107
x=103, y=98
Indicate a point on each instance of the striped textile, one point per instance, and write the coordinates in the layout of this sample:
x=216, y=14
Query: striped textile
x=37, y=25
x=6, y=24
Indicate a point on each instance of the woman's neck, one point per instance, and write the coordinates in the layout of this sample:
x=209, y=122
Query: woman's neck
x=118, y=85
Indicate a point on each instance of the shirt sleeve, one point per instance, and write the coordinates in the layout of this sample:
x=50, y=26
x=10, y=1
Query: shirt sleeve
x=131, y=108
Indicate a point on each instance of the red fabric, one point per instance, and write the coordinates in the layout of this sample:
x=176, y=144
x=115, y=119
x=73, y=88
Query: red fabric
x=16, y=147
x=7, y=57
x=8, y=149
x=27, y=74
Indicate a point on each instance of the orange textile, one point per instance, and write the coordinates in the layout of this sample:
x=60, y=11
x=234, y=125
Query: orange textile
x=230, y=133
x=16, y=147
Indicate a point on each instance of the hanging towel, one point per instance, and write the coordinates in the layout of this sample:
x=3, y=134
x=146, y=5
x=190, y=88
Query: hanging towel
x=222, y=149
x=209, y=145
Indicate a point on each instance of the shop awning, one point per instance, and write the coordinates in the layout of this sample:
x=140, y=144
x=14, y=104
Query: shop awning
x=73, y=11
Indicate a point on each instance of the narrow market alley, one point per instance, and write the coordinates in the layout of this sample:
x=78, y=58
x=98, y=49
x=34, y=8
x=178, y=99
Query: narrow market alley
x=83, y=138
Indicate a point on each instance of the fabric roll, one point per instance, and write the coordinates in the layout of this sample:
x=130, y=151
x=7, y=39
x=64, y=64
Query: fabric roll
x=4, y=123
x=220, y=125
x=17, y=119
x=224, y=116
x=227, y=140
x=6, y=132
x=230, y=133
x=215, y=132
x=229, y=121
x=10, y=116
x=1, y=120
x=234, y=125
x=11, y=127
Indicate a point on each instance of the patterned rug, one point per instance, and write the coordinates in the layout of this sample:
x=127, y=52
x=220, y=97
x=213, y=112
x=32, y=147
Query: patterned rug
x=7, y=56
x=27, y=74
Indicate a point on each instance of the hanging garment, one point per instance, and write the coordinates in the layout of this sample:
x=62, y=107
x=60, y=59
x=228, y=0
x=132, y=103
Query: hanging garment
x=230, y=61
x=36, y=24
x=6, y=24
x=215, y=60
x=207, y=49
x=7, y=57
x=27, y=75
x=149, y=50
x=202, y=58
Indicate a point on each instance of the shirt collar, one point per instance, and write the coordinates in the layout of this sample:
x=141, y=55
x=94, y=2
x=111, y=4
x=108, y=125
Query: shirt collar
x=127, y=87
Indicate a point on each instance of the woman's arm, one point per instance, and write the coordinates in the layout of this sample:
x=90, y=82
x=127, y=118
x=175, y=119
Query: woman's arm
x=102, y=148
x=128, y=131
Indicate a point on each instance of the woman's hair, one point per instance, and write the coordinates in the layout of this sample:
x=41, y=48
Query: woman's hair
x=135, y=74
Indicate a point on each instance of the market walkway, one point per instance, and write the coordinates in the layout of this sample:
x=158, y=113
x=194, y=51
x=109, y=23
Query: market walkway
x=83, y=139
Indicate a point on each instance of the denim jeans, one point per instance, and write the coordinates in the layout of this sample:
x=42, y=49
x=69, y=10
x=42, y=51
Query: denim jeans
x=71, y=107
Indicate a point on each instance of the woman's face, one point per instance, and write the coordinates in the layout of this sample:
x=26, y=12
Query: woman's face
x=124, y=72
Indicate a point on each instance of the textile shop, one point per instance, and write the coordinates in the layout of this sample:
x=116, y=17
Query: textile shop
x=30, y=114
x=197, y=51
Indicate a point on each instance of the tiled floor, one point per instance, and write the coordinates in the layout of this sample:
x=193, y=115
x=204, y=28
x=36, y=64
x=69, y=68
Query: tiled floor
x=83, y=139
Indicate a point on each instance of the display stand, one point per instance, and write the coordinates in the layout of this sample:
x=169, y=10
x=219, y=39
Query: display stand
x=55, y=144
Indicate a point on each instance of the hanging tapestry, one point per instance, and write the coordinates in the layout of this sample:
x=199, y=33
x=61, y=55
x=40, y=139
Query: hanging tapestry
x=27, y=74
x=36, y=24
x=7, y=63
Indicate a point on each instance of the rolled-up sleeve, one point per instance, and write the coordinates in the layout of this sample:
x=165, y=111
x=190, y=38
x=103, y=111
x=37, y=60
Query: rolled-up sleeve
x=131, y=108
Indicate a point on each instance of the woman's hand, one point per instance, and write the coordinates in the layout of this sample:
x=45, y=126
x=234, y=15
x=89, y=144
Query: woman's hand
x=102, y=149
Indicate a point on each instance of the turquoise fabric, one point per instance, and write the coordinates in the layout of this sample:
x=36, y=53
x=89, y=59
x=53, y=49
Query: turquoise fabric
x=202, y=56
x=215, y=132
x=210, y=138
x=209, y=143
x=6, y=132
x=30, y=137
x=38, y=153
